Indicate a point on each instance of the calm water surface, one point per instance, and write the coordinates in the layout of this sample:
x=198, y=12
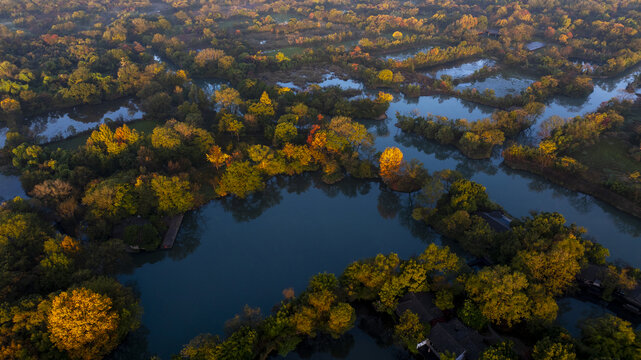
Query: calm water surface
x=231, y=252
x=404, y=55
x=505, y=83
x=465, y=69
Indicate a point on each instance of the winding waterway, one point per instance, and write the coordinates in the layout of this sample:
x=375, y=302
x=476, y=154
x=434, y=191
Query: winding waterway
x=234, y=252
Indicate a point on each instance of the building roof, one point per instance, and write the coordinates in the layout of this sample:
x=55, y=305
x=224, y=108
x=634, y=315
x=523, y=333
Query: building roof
x=422, y=304
x=535, y=45
x=592, y=274
x=633, y=296
x=455, y=337
x=497, y=220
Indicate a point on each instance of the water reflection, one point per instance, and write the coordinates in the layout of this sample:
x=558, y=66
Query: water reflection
x=59, y=125
x=604, y=90
x=10, y=187
x=357, y=344
x=520, y=192
x=504, y=83
x=462, y=70
x=306, y=228
x=406, y=54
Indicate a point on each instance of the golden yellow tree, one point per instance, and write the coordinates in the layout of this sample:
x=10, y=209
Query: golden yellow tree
x=341, y=319
x=390, y=164
x=217, y=157
x=83, y=323
x=386, y=75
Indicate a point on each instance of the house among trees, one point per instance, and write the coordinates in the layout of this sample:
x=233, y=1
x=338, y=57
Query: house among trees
x=453, y=337
x=535, y=45
x=497, y=220
x=591, y=278
x=421, y=304
x=632, y=300
x=493, y=33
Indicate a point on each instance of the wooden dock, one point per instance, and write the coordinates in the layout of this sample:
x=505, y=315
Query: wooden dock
x=174, y=223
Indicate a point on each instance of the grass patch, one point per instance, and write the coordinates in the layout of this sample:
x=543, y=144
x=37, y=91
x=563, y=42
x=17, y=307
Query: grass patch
x=70, y=143
x=145, y=125
x=608, y=154
x=287, y=51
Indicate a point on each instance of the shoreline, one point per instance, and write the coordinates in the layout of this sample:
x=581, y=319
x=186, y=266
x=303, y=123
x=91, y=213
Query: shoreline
x=579, y=184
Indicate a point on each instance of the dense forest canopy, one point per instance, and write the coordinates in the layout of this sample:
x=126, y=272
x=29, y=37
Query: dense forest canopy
x=121, y=187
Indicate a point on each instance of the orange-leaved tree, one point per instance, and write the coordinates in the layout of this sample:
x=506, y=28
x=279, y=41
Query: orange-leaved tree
x=390, y=164
x=83, y=323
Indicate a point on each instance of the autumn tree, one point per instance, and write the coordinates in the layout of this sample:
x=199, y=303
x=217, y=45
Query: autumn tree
x=229, y=98
x=341, y=319
x=83, y=323
x=264, y=108
x=217, y=157
x=164, y=137
x=390, y=164
x=410, y=331
x=386, y=76
x=52, y=191
x=285, y=132
x=556, y=268
x=104, y=140
x=547, y=349
x=610, y=337
x=230, y=124
x=500, y=294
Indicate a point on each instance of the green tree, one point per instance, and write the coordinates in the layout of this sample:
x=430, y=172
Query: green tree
x=547, y=349
x=285, y=132
x=173, y=194
x=410, y=331
x=341, y=318
x=240, y=179
x=471, y=315
x=500, y=294
x=500, y=351
x=610, y=337
x=165, y=138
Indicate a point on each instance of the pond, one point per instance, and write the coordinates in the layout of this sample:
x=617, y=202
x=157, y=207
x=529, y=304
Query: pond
x=11, y=187
x=328, y=79
x=405, y=54
x=62, y=124
x=463, y=70
x=58, y=125
x=504, y=83
x=232, y=252
x=332, y=79
x=604, y=90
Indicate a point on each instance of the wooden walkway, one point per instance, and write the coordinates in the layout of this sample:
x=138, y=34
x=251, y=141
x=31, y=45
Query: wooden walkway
x=174, y=223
